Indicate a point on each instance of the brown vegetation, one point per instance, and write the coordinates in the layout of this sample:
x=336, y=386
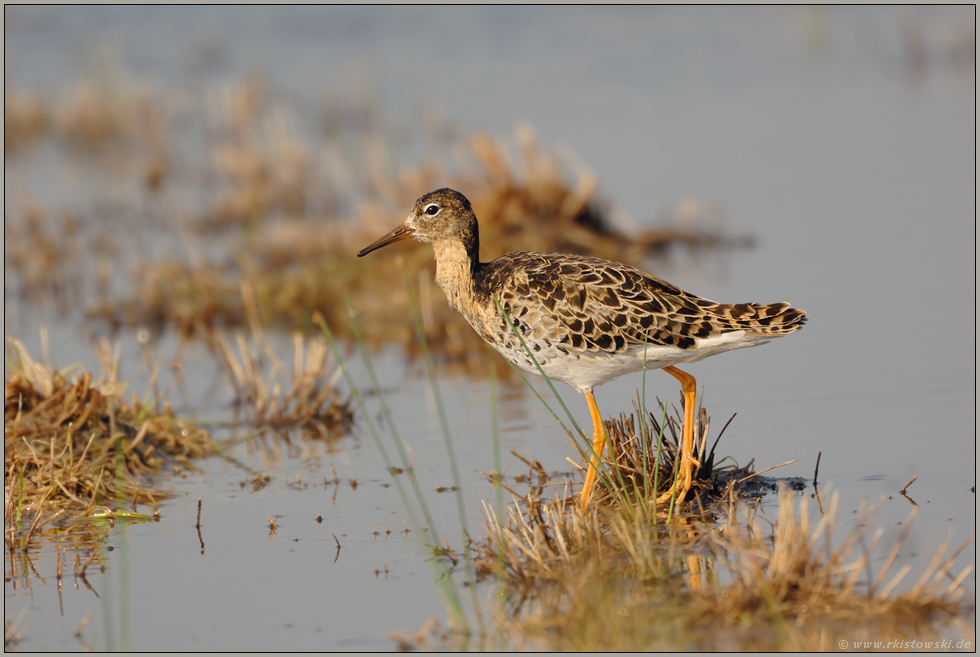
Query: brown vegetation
x=305, y=398
x=71, y=443
x=608, y=580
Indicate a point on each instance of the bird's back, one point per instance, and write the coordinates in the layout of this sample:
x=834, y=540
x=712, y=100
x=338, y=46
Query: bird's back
x=570, y=307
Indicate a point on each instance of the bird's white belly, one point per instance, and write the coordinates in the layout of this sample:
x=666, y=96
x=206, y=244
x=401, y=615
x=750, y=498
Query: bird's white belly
x=590, y=369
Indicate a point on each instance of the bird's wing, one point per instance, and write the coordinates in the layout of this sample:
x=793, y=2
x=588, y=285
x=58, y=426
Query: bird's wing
x=589, y=304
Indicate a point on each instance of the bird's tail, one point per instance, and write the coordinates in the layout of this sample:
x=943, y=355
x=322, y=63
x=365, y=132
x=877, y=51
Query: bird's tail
x=763, y=319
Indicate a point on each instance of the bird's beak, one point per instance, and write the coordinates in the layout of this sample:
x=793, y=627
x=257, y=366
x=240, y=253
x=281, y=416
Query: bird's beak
x=403, y=232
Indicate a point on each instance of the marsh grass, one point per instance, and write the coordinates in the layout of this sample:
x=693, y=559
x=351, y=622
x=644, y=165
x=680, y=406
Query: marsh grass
x=25, y=118
x=72, y=443
x=79, y=457
x=274, y=396
x=43, y=250
x=644, y=455
x=605, y=580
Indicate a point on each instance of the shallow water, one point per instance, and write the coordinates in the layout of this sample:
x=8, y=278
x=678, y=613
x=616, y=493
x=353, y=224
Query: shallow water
x=854, y=169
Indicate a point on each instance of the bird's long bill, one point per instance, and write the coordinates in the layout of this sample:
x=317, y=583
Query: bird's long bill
x=403, y=232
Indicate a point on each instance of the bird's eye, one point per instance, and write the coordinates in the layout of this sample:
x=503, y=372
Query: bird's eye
x=432, y=210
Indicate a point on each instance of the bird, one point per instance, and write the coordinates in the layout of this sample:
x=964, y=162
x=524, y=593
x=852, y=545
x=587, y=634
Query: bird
x=585, y=320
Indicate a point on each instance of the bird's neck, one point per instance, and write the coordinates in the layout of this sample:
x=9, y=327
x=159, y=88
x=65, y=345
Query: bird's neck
x=456, y=266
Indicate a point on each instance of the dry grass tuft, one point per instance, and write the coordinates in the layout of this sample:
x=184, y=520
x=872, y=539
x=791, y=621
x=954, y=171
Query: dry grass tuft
x=42, y=250
x=261, y=166
x=71, y=443
x=112, y=112
x=605, y=581
x=24, y=118
x=308, y=400
x=636, y=472
x=188, y=298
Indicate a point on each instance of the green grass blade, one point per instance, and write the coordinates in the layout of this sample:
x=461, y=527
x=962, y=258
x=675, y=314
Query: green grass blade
x=540, y=371
x=447, y=438
x=440, y=572
x=393, y=428
x=588, y=452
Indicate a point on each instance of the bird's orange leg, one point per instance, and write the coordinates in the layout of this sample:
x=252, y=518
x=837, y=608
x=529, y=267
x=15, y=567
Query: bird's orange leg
x=684, y=474
x=598, y=444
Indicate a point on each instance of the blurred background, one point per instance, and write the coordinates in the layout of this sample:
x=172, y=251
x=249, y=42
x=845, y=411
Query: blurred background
x=173, y=175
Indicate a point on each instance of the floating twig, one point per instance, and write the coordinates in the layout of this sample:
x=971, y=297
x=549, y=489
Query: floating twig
x=198, y=526
x=906, y=487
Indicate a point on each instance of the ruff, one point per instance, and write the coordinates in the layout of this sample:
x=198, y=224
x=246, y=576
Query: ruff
x=586, y=320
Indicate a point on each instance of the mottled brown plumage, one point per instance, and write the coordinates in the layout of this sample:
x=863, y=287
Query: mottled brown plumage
x=585, y=320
